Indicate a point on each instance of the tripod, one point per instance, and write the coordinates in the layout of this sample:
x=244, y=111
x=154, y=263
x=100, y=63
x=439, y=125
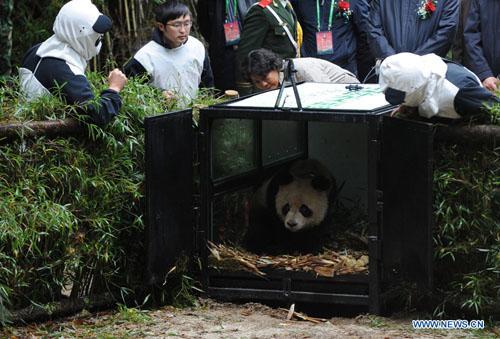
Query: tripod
x=289, y=76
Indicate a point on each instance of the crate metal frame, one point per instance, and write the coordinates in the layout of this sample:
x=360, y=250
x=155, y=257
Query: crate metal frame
x=399, y=248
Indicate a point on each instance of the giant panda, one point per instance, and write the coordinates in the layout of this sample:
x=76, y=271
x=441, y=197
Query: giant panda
x=291, y=211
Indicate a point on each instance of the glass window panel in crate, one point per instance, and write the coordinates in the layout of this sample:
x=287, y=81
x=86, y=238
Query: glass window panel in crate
x=233, y=146
x=282, y=140
x=343, y=148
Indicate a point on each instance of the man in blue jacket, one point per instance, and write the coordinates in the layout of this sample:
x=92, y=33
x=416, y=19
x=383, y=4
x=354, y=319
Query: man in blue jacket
x=416, y=26
x=336, y=21
x=458, y=46
x=482, y=41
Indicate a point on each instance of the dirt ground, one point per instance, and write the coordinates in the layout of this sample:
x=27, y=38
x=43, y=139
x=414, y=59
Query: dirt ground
x=225, y=320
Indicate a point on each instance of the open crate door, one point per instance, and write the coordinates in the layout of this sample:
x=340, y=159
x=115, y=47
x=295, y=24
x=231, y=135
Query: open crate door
x=169, y=191
x=407, y=177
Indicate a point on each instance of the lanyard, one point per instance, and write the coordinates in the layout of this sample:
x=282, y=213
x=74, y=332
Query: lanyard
x=330, y=15
x=231, y=15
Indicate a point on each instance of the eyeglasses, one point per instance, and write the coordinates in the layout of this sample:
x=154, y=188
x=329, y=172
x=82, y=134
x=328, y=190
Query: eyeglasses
x=178, y=25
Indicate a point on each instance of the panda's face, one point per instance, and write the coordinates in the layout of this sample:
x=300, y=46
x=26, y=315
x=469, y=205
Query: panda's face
x=301, y=206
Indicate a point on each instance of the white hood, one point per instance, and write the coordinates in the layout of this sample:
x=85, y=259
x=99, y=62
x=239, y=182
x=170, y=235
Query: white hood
x=77, y=28
x=423, y=79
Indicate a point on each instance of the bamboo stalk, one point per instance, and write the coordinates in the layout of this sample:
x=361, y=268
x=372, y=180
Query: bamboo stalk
x=107, y=37
x=134, y=22
x=141, y=14
x=127, y=20
x=120, y=9
x=110, y=46
x=127, y=16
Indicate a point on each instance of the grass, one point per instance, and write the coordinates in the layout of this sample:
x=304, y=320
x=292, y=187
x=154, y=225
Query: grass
x=376, y=321
x=495, y=112
x=134, y=315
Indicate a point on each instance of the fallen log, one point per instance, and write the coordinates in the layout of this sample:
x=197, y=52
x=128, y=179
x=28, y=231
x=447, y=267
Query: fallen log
x=63, y=308
x=478, y=134
x=63, y=127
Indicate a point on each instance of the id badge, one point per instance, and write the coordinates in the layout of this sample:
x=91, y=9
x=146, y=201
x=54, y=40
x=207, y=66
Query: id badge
x=232, y=33
x=324, y=42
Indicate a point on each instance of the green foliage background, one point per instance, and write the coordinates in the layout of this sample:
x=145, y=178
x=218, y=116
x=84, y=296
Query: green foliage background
x=467, y=236
x=72, y=207
x=32, y=23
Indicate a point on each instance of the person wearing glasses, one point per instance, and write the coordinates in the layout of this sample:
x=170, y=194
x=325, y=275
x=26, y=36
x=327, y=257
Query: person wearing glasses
x=57, y=65
x=173, y=61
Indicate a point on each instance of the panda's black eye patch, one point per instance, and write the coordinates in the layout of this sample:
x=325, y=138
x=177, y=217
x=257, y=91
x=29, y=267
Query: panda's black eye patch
x=285, y=209
x=306, y=211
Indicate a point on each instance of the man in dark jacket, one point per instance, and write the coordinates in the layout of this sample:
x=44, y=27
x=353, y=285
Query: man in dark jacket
x=415, y=26
x=214, y=18
x=337, y=21
x=482, y=41
x=458, y=47
x=364, y=55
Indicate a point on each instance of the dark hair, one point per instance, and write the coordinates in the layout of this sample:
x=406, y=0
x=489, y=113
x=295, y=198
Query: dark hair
x=170, y=10
x=259, y=63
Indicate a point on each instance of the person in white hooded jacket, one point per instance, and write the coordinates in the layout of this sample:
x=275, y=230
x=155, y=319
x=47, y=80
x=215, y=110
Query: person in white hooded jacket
x=57, y=65
x=437, y=87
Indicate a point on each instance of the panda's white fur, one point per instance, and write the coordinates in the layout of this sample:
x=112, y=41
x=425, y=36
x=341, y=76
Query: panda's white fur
x=300, y=206
x=289, y=209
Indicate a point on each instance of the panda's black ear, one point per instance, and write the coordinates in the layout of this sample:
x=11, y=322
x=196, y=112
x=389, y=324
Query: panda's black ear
x=320, y=183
